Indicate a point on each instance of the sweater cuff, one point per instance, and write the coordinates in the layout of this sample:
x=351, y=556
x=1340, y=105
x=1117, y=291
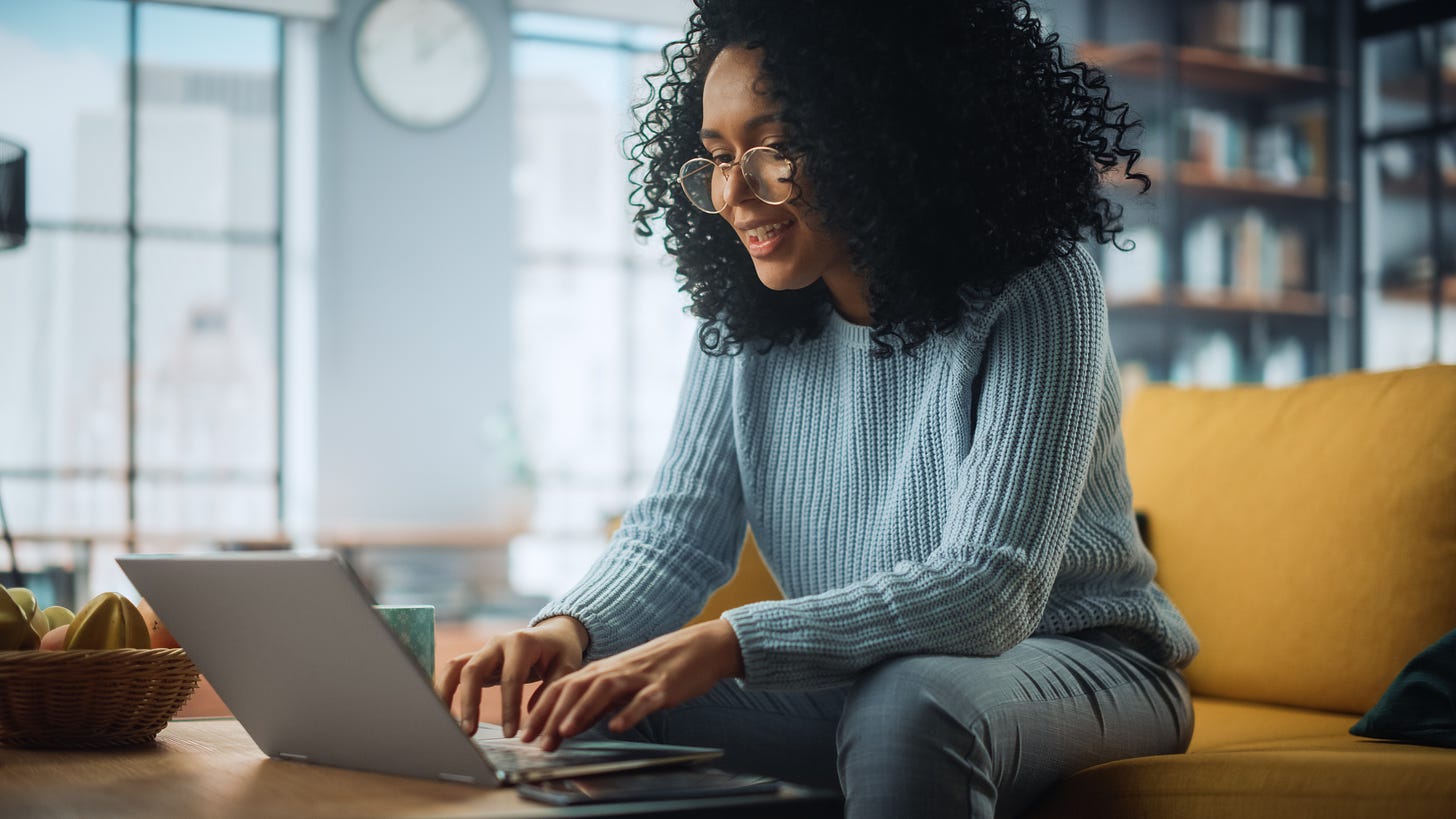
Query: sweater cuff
x=609, y=630
x=553, y=610
x=776, y=657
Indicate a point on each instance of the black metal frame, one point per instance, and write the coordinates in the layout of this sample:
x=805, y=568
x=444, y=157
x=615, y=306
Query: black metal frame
x=1370, y=24
x=129, y=473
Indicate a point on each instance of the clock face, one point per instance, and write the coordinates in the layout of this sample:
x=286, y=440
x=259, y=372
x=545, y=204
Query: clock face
x=424, y=63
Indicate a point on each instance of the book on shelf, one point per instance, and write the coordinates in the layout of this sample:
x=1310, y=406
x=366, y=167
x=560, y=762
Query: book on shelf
x=1205, y=256
x=1228, y=25
x=1258, y=29
x=1312, y=147
x=1285, y=153
x=1286, y=34
x=1211, y=140
x=1247, y=255
x=1211, y=359
x=1286, y=362
x=1207, y=360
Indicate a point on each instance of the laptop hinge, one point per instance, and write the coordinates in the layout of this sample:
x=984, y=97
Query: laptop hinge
x=293, y=757
x=449, y=777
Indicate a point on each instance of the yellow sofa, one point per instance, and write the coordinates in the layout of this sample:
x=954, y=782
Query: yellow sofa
x=1309, y=536
x=1308, y=533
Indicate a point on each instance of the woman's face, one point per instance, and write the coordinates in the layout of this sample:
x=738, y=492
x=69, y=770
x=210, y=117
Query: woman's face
x=790, y=248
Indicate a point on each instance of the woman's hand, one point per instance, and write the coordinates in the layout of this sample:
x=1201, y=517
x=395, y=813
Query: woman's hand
x=548, y=651
x=659, y=674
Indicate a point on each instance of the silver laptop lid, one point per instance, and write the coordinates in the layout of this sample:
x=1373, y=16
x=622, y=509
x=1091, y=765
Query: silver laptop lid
x=294, y=648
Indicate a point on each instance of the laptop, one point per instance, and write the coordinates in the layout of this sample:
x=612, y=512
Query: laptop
x=313, y=674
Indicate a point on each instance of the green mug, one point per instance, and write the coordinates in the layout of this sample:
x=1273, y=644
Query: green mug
x=415, y=628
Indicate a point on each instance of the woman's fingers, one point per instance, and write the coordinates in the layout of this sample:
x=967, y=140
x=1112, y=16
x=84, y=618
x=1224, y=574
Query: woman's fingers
x=649, y=699
x=655, y=675
x=601, y=695
x=516, y=670
x=511, y=661
x=573, y=705
x=450, y=679
x=479, y=670
x=544, y=701
x=554, y=673
x=449, y=682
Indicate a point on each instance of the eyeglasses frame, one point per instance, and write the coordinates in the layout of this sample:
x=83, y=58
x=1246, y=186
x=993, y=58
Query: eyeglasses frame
x=727, y=167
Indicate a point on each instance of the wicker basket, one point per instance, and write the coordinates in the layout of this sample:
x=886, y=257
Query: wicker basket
x=91, y=699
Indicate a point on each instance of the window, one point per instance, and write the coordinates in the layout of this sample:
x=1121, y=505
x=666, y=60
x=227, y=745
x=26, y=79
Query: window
x=600, y=326
x=139, y=347
x=1408, y=184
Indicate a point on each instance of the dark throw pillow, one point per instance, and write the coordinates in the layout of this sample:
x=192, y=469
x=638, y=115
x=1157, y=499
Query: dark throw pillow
x=1420, y=706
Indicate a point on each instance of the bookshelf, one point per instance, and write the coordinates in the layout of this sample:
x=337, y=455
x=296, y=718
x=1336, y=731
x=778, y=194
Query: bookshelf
x=1207, y=68
x=1239, y=275
x=1421, y=293
x=1238, y=184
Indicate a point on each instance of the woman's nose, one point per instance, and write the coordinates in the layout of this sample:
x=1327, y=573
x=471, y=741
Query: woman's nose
x=735, y=185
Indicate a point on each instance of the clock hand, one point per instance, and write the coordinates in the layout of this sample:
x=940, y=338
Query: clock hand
x=439, y=41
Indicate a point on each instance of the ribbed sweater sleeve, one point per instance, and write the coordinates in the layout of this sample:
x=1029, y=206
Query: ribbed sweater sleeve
x=984, y=587
x=682, y=539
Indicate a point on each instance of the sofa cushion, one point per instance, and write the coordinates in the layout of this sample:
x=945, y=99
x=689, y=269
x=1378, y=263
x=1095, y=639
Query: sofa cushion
x=1226, y=725
x=1308, y=533
x=1420, y=706
x=1258, y=761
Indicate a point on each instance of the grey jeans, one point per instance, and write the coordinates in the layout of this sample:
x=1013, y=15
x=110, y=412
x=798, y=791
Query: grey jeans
x=940, y=736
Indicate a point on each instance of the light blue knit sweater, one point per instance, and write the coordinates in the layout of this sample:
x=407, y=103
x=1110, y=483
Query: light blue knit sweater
x=899, y=512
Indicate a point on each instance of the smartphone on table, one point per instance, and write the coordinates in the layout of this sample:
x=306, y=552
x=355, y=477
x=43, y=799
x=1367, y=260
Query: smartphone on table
x=676, y=783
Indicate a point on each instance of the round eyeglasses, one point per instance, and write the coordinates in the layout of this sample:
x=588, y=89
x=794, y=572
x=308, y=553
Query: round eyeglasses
x=768, y=173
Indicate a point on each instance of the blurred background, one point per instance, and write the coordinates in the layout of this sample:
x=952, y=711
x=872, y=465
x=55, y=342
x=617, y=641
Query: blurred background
x=359, y=275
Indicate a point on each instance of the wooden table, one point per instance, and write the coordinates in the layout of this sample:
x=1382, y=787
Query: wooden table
x=210, y=767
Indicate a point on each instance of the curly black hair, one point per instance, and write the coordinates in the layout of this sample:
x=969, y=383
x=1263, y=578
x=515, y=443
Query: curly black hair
x=952, y=146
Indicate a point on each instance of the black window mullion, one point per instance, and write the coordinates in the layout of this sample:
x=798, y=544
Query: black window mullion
x=132, y=92
x=1433, y=186
x=279, y=287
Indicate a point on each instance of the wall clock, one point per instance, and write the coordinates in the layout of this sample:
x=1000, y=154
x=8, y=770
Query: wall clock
x=423, y=63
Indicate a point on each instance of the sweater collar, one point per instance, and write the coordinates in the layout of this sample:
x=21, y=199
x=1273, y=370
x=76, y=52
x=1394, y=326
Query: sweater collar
x=845, y=332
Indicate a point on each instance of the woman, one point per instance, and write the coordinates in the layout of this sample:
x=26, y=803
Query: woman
x=903, y=382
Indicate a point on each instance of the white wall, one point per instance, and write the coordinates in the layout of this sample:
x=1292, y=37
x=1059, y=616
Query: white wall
x=414, y=276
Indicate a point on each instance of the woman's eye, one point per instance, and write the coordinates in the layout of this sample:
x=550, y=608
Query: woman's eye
x=723, y=159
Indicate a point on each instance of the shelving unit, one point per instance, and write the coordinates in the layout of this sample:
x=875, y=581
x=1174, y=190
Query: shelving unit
x=1237, y=184
x=1208, y=69
x=1421, y=293
x=1241, y=247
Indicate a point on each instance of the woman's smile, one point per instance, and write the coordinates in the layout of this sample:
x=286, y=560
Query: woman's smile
x=763, y=239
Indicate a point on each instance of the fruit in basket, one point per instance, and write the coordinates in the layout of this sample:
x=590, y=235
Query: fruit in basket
x=108, y=621
x=57, y=616
x=25, y=598
x=55, y=639
x=161, y=635
x=15, y=629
